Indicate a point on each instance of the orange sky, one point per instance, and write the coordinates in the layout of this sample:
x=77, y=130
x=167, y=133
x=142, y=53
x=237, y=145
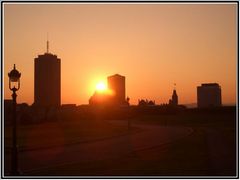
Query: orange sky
x=153, y=45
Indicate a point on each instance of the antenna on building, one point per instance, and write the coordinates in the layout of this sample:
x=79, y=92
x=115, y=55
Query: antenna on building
x=174, y=87
x=47, y=44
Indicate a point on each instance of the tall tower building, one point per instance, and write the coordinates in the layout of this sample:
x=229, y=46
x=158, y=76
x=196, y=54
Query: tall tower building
x=47, y=80
x=117, y=84
x=209, y=95
x=174, y=97
x=174, y=100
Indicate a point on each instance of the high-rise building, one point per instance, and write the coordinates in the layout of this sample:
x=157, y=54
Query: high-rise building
x=209, y=95
x=47, y=80
x=116, y=83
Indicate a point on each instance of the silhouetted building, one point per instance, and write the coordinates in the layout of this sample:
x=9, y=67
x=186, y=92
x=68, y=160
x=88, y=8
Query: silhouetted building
x=115, y=95
x=100, y=99
x=117, y=84
x=8, y=111
x=47, y=80
x=68, y=106
x=209, y=95
x=174, y=100
x=8, y=104
x=146, y=102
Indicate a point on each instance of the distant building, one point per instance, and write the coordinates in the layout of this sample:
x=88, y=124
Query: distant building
x=68, y=106
x=47, y=80
x=174, y=100
x=117, y=84
x=209, y=95
x=100, y=99
x=115, y=94
x=146, y=102
x=8, y=111
x=8, y=104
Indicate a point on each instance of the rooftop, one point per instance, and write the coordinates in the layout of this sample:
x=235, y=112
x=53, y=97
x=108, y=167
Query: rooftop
x=210, y=84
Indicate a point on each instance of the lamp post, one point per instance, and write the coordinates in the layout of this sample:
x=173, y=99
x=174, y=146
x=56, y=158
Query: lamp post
x=14, y=79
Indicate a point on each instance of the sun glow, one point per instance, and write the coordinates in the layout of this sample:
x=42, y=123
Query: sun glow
x=101, y=86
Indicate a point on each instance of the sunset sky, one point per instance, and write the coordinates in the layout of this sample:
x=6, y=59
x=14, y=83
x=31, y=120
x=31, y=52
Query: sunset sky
x=152, y=45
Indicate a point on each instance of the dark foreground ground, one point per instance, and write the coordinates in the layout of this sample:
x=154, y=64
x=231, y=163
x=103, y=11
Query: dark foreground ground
x=210, y=150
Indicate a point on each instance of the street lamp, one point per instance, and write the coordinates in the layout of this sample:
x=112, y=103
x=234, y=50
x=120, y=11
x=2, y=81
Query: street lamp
x=14, y=79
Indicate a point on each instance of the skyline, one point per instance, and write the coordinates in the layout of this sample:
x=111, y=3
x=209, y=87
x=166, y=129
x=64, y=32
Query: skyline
x=106, y=41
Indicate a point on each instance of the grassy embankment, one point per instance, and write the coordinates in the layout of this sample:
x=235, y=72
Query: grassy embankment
x=188, y=156
x=58, y=133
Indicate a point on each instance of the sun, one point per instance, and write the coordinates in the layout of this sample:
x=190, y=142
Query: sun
x=101, y=86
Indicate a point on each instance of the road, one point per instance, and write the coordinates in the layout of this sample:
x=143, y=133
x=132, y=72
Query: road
x=150, y=136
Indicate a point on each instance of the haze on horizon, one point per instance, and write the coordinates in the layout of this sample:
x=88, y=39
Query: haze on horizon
x=152, y=45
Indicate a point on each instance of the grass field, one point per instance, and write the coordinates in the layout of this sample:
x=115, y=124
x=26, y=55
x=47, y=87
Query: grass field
x=209, y=151
x=170, y=159
x=48, y=134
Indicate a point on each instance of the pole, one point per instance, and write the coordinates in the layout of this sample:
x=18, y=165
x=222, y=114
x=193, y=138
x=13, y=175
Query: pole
x=14, y=170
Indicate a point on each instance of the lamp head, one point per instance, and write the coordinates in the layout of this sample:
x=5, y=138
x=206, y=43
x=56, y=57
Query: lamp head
x=14, y=75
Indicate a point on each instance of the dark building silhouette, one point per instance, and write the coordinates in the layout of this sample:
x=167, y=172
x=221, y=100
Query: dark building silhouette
x=8, y=111
x=146, y=102
x=174, y=100
x=117, y=84
x=47, y=80
x=116, y=94
x=209, y=95
x=100, y=99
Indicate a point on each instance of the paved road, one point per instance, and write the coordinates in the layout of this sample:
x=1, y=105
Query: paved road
x=149, y=137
